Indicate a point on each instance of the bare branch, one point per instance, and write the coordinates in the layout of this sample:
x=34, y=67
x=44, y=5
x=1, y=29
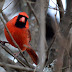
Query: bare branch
x=10, y=52
x=7, y=6
x=59, y=2
x=5, y=59
x=42, y=34
x=47, y=51
x=33, y=12
x=16, y=67
x=67, y=19
x=4, y=16
x=18, y=58
x=1, y=4
x=56, y=9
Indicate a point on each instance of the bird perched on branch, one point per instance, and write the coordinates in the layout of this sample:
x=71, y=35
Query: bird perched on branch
x=19, y=29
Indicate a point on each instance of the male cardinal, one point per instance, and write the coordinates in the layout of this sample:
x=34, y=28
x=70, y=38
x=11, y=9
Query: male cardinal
x=19, y=29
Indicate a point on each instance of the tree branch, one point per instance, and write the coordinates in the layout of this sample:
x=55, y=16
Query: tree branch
x=67, y=19
x=42, y=41
x=59, y=2
x=7, y=6
x=16, y=67
x=63, y=44
x=47, y=51
x=33, y=12
x=22, y=62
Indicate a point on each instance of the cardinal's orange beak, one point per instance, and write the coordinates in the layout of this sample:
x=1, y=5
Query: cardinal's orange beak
x=22, y=19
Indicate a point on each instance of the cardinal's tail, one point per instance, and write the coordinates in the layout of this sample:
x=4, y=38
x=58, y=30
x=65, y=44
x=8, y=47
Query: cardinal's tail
x=33, y=55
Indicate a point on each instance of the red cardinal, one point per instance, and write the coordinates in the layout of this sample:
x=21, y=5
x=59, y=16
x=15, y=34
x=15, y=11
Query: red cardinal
x=19, y=29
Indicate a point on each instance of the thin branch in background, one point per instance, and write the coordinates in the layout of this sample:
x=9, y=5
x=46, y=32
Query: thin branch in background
x=12, y=2
x=7, y=6
x=47, y=51
x=56, y=9
x=11, y=53
x=54, y=37
x=53, y=2
x=4, y=16
x=60, y=6
x=63, y=46
x=16, y=67
x=15, y=42
x=66, y=67
x=56, y=5
x=33, y=12
x=5, y=59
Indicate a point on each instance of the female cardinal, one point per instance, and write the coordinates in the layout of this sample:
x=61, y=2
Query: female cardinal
x=19, y=29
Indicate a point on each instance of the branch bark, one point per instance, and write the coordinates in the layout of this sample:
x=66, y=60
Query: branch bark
x=60, y=5
x=30, y=7
x=2, y=64
x=22, y=62
x=63, y=44
x=42, y=34
x=67, y=20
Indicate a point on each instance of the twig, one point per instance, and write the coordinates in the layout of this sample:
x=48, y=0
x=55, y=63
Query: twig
x=61, y=9
x=66, y=67
x=54, y=37
x=57, y=5
x=56, y=25
x=7, y=6
x=33, y=12
x=47, y=52
x=4, y=16
x=60, y=5
x=12, y=2
x=11, y=53
x=16, y=67
x=18, y=59
x=56, y=9
x=3, y=58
